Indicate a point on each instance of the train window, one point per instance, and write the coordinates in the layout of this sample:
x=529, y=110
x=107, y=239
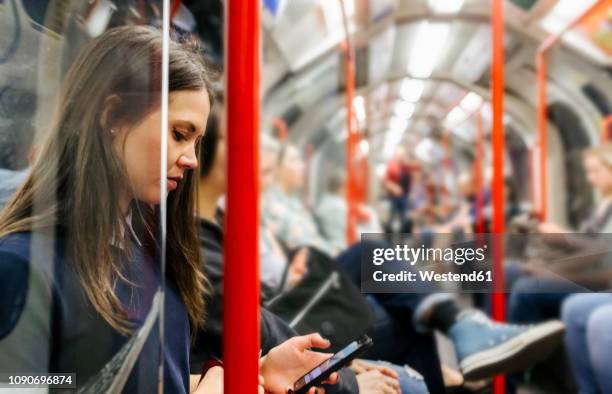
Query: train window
x=80, y=157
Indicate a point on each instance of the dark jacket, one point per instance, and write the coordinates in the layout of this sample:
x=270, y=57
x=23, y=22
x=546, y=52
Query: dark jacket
x=47, y=325
x=273, y=330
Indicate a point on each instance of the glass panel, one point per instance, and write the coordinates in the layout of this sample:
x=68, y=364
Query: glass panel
x=80, y=268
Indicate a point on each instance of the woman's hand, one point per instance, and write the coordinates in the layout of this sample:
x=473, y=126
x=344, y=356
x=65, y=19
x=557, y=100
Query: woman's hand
x=212, y=382
x=291, y=360
x=551, y=228
x=375, y=382
x=361, y=366
x=298, y=267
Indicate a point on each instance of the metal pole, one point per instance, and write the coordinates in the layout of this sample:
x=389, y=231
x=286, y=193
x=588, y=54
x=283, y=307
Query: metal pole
x=241, y=295
x=349, y=63
x=478, y=174
x=497, y=187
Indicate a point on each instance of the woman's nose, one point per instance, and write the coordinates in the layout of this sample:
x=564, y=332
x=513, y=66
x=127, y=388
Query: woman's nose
x=188, y=161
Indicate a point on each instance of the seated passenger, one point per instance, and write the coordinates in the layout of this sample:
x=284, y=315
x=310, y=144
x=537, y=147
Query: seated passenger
x=397, y=184
x=331, y=213
x=79, y=268
x=588, y=318
x=583, y=260
x=371, y=377
x=482, y=345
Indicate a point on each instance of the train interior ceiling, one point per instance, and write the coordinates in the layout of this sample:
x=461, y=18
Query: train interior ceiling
x=422, y=73
x=422, y=69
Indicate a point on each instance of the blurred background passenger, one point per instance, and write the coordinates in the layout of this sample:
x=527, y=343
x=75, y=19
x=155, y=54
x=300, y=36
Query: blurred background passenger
x=569, y=262
x=364, y=377
x=331, y=211
x=588, y=318
x=397, y=183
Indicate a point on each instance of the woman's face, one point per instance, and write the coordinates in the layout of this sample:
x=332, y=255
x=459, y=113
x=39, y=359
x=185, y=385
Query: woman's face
x=139, y=146
x=598, y=174
x=267, y=169
x=292, y=169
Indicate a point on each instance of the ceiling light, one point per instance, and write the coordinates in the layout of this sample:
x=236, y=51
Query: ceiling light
x=471, y=102
x=359, y=106
x=364, y=146
x=563, y=13
x=332, y=12
x=398, y=124
x=455, y=117
x=404, y=109
x=412, y=89
x=446, y=6
x=429, y=45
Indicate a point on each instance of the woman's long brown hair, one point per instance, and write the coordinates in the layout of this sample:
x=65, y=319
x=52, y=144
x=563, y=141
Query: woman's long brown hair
x=75, y=181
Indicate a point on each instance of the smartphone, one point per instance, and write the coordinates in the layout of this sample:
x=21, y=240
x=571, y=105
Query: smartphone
x=339, y=360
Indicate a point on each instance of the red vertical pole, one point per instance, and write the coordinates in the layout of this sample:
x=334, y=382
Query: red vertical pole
x=542, y=66
x=351, y=140
x=365, y=176
x=531, y=151
x=446, y=148
x=241, y=295
x=497, y=186
x=350, y=147
x=478, y=175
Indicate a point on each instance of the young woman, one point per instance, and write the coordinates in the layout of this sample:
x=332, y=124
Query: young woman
x=80, y=268
x=583, y=261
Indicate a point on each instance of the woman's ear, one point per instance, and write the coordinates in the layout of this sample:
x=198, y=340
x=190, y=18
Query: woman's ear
x=108, y=111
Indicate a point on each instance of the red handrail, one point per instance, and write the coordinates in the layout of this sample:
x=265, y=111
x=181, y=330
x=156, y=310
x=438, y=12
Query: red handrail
x=478, y=175
x=542, y=70
x=352, y=137
x=241, y=295
x=497, y=186
x=542, y=66
x=531, y=154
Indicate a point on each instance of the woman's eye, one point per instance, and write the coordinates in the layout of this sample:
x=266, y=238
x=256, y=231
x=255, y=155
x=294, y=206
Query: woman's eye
x=178, y=136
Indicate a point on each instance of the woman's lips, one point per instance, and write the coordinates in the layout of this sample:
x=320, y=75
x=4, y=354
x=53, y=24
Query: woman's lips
x=171, y=184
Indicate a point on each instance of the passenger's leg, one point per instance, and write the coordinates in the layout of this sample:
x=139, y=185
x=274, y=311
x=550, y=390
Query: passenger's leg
x=397, y=342
x=599, y=337
x=576, y=311
x=535, y=299
x=483, y=347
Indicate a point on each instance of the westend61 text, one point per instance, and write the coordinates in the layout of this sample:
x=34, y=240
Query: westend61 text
x=432, y=276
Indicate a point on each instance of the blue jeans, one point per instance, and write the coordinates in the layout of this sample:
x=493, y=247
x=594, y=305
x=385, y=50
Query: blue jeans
x=411, y=382
x=399, y=208
x=588, y=320
x=535, y=299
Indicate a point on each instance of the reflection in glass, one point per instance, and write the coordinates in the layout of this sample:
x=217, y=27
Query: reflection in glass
x=80, y=158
